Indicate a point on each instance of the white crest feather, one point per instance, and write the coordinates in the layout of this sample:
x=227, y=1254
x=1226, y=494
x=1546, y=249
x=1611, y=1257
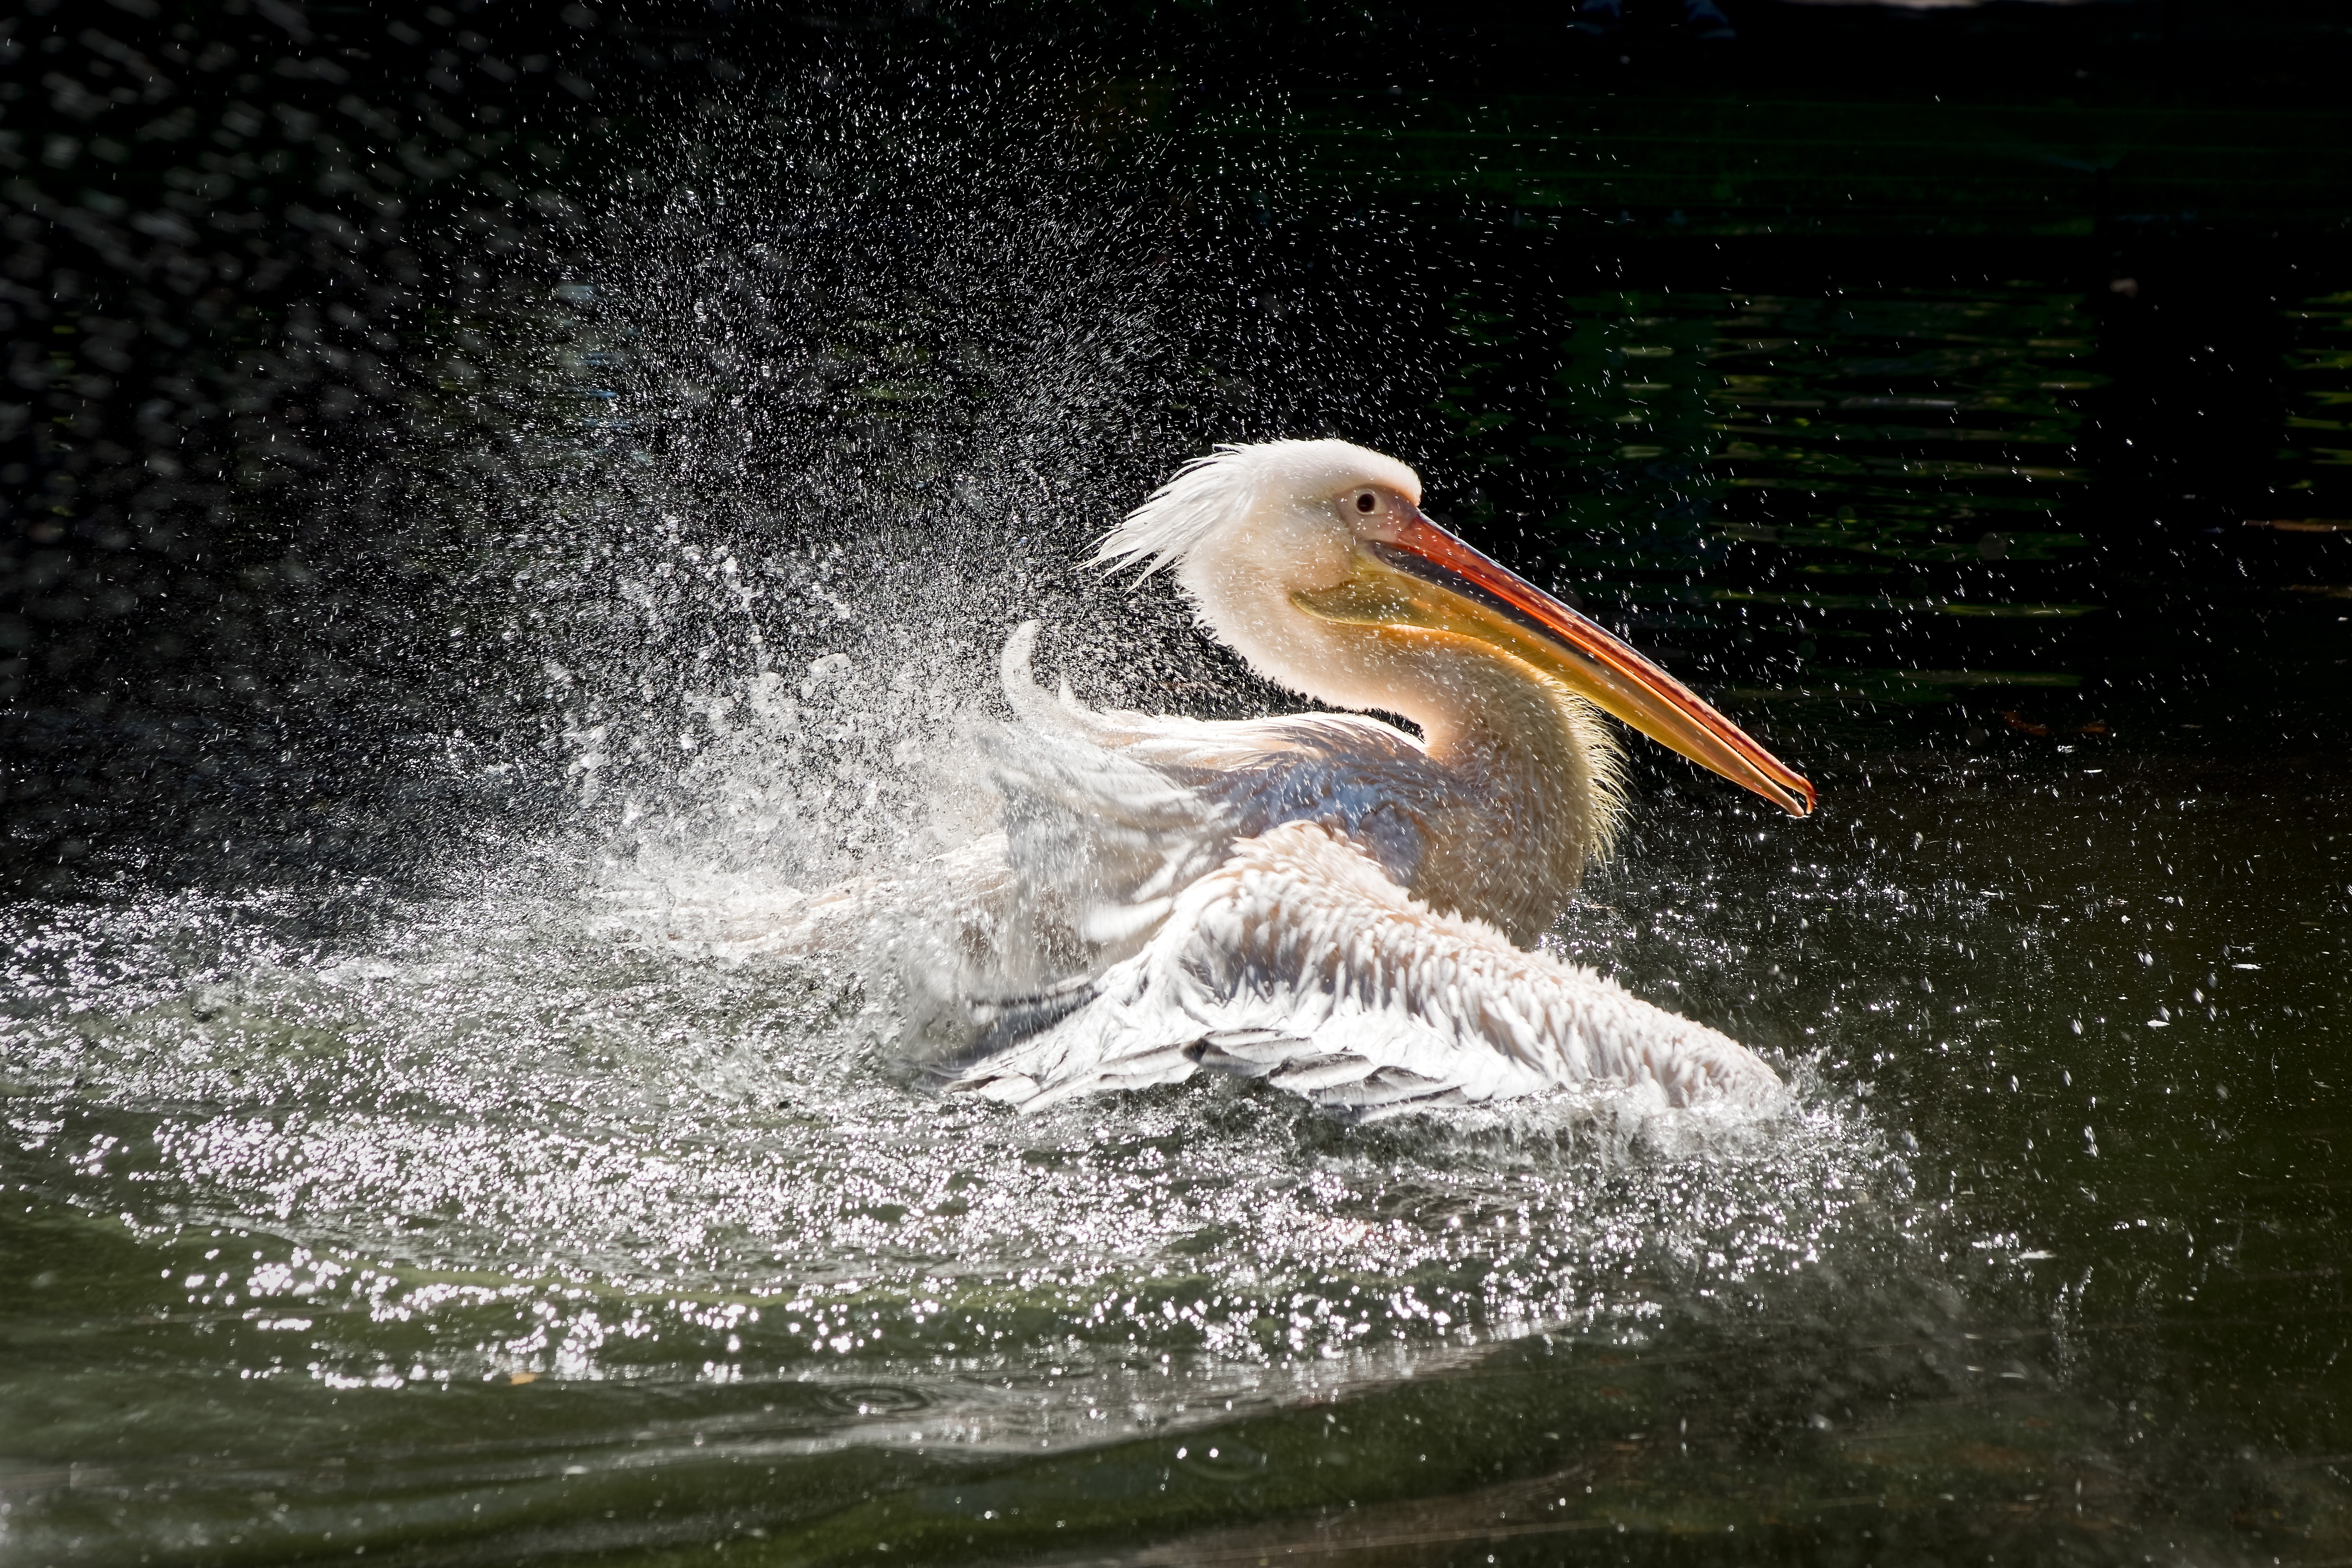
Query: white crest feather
x=1227, y=485
x=1180, y=514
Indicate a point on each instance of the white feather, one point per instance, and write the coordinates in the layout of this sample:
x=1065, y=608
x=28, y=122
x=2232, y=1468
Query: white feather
x=1174, y=519
x=1299, y=962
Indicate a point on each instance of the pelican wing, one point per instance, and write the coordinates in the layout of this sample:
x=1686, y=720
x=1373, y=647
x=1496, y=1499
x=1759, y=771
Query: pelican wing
x=1109, y=816
x=1299, y=961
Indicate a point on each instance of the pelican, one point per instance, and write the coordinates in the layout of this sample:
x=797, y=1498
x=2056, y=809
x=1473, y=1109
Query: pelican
x=1325, y=901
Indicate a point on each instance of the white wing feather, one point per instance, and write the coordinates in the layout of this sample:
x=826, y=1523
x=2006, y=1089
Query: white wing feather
x=1299, y=960
x=1110, y=815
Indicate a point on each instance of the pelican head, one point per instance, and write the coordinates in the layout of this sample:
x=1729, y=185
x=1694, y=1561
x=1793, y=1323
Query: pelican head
x=1313, y=560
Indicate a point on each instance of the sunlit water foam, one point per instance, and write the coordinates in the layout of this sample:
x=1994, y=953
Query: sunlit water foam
x=483, y=1138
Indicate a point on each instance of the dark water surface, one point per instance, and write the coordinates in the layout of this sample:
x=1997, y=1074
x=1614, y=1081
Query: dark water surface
x=408, y=1154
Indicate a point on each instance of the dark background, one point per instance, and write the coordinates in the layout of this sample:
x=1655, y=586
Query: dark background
x=294, y=313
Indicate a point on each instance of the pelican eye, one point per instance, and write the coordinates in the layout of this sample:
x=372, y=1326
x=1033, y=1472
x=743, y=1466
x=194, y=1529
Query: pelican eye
x=1365, y=502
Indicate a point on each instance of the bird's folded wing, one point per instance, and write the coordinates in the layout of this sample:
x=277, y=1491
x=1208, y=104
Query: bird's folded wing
x=1110, y=815
x=1299, y=960
x=1101, y=838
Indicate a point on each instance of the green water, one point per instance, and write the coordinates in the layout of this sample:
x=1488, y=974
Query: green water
x=494, y=1216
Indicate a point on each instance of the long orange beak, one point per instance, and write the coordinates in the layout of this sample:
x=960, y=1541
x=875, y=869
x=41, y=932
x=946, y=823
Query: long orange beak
x=1496, y=604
